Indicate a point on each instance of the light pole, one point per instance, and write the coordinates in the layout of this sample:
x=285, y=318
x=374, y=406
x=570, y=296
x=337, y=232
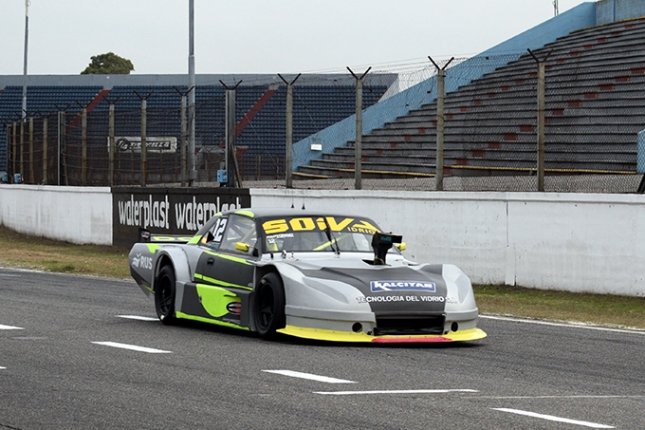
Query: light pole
x=24, y=70
x=192, y=174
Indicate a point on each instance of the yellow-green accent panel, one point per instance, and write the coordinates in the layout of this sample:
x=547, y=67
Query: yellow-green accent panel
x=328, y=335
x=221, y=283
x=194, y=240
x=245, y=213
x=184, y=316
x=343, y=336
x=229, y=257
x=152, y=247
x=215, y=299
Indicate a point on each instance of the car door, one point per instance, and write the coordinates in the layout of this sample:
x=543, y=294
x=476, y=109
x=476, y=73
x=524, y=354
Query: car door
x=226, y=253
x=224, y=273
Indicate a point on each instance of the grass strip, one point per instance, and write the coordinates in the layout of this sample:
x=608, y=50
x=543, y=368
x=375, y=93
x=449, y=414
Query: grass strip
x=603, y=309
x=30, y=252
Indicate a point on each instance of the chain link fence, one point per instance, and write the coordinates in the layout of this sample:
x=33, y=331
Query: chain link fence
x=491, y=130
x=100, y=143
x=481, y=128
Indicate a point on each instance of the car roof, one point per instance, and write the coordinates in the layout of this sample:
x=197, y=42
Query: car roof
x=285, y=212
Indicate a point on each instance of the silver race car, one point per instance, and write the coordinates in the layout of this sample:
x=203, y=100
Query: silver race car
x=308, y=274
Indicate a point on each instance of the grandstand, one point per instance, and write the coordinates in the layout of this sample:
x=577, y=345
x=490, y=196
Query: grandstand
x=319, y=101
x=595, y=83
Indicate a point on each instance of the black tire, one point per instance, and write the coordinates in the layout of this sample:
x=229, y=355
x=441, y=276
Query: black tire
x=165, y=295
x=269, y=306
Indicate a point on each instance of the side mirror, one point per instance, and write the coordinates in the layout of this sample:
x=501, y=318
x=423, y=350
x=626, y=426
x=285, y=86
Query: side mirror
x=243, y=247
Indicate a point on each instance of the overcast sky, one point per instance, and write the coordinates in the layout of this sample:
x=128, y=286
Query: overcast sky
x=260, y=36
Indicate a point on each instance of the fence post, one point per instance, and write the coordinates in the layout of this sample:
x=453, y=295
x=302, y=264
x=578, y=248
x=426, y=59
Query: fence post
x=45, y=148
x=22, y=146
x=14, y=151
x=288, y=159
x=62, y=149
x=232, y=169
x=32, y=178
x=84, y=146
x=541, y=129
x=288, y=156
x=229, y=154
x=441, y=97
x=111, y=143
x=9, y=152
x=144, y=143
x=358, y=142
x=184, y=139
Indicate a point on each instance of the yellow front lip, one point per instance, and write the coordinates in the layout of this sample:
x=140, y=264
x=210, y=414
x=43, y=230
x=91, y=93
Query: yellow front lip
x=341, y=336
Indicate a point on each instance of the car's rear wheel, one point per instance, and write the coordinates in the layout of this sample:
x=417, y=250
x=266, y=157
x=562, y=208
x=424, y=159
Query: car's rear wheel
x=165, y=295
x=269, y=305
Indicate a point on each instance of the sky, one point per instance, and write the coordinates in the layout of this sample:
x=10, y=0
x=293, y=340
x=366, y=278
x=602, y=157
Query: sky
x=260, y=36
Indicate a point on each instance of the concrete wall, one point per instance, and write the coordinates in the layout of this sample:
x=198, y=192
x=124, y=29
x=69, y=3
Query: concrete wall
x=573, y=242
x=74, y=214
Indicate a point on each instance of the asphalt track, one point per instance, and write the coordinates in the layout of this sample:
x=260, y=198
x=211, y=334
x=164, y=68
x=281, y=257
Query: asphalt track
x=75, y=354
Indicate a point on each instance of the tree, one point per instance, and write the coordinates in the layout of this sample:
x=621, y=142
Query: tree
x=108, y=64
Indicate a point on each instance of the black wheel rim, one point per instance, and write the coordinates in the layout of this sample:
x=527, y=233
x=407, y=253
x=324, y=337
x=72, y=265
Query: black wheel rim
x=266, y=312
x=165, y=296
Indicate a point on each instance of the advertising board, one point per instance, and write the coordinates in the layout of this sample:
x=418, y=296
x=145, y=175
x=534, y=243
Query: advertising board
x=169, y=210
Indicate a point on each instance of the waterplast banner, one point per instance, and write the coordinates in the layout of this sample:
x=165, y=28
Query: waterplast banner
x=169, y=210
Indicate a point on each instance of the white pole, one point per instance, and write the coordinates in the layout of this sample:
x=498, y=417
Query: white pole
x=192, y=174
x=24, y=70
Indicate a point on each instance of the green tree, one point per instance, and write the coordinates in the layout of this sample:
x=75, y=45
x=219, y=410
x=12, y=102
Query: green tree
x=108, y=64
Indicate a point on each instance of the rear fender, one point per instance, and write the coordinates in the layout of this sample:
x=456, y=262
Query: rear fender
x=176, y=257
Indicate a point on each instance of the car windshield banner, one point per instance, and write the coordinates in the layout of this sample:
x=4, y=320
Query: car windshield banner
x=319, y=223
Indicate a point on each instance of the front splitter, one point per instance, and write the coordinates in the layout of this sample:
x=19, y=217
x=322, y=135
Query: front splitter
x=340, y=336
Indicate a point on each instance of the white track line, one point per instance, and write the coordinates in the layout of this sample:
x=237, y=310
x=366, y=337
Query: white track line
x=348, y=393
x=552, y=418
x=133, y=347
x=559, y=397
x=9, y=327
x=568, y=325
x=137, y=317
x=310, y=376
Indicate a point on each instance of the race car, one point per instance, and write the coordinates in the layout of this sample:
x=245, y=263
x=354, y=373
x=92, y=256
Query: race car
x=309, y=274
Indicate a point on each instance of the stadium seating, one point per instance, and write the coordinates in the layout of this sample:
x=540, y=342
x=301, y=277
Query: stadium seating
x=594, y=85
x=260, y=114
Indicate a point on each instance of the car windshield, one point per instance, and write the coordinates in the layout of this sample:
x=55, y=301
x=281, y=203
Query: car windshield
x=318, y=234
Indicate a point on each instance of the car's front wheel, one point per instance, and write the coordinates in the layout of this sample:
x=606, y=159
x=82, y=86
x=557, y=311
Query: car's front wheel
x=165, y=295
x=269, y=305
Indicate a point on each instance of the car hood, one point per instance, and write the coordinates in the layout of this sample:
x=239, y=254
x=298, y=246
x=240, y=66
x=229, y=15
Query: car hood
x=419, y=288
